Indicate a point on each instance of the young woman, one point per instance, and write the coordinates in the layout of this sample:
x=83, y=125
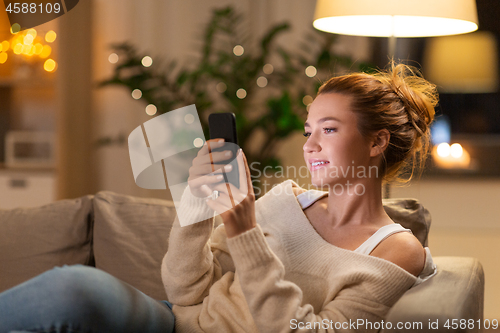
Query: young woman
x=294, y=260
x=309, y=261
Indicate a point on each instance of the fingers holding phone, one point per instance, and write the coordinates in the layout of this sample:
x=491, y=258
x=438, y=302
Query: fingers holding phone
x=207, y=168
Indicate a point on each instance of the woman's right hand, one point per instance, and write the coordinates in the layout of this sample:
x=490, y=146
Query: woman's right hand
x=201, y=172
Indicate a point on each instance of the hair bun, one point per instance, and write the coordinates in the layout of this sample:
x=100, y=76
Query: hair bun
x=418, y=96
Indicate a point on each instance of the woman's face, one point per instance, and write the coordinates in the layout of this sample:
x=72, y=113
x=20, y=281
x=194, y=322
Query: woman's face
x=335, y=151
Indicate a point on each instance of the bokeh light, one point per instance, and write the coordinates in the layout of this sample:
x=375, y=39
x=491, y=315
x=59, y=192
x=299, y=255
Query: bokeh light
x=50, y=36
x=49, y=65
x=262, y=81
x=311, y=71
x=241, y=93
x=151, y=109
x=456, y=150
x=3, y=57
x=307, y=99
x=46, y=51
x=268, y=68
x=198, y=142
x=113, y=58
x=443, y=149
x=136, y=94
x=221, y=87
x=238, y=50
x=147, y=61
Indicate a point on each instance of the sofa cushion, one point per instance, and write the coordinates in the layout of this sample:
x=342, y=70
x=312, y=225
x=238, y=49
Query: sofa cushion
x=131, y=238
x=33, y=240
x=411, y=215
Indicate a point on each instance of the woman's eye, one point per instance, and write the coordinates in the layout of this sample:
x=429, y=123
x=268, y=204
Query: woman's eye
x=306, y=134
x=330, y=130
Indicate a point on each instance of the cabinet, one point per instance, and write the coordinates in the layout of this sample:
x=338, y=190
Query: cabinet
x=26, y=187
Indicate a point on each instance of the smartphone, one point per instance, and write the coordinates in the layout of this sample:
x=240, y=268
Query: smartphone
x=223, y=125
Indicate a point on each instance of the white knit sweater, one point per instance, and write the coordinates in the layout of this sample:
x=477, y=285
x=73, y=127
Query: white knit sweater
x=281, y=276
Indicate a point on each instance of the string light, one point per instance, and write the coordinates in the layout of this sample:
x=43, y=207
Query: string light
x=198, y=142
x=151, y=109
x=262, y=81
x=136, y=94
x=241, y=93
x=50, y=36
x=268, y=69
x=3, y=57
x=49, y=65
x=221, y=87
x=46, y=51
x=189, y=118
x=113, y=58
x=29, y=43
x=238, y=50
x=307, y=100
x=311, y=71
x=147, y=61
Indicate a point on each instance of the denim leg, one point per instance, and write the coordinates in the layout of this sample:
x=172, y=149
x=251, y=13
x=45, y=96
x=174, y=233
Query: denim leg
x=81, y=299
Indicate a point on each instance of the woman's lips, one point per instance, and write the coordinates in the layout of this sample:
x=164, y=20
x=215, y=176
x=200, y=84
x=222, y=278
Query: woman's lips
x=316, y=167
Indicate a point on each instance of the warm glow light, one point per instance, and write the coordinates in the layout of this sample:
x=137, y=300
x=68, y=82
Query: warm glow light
x=147, y=61
x=27, y=49
x=307, y=100
x=463, y=63
x=198, y=142
x=45, y=51
x=443, y=149
x=238, y=50
x=382, y=18
x=38, y=48
x=136, y=94
x=151, y=109
x=28, y=40
x=311, y=71
x=18, y=48
x=113, y=58
x=50, y=36
x=456, y=150
x=49, y=65
x=5, y=45
x=32, y=32
x=3, y=57
x=262, y=81
x=454, y=157
x=241, y=93
x=221, y=87
x=189, y=118
x=268, y=68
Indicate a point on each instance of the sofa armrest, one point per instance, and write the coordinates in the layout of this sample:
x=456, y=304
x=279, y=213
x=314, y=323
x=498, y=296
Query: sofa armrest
x=455, y=292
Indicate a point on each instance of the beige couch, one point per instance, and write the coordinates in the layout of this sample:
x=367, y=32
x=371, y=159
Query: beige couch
x=128, y=236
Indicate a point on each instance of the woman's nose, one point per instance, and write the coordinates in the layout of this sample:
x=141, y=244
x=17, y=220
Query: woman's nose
x=311, y=144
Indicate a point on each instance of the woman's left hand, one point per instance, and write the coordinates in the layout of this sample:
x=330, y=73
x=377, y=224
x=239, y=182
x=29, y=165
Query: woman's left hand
x=235, y=205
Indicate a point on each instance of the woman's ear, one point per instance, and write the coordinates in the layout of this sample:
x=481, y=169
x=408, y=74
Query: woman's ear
x=380, y=142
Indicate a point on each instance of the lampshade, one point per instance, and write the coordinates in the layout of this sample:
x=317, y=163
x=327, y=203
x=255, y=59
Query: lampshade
x=463, y=64
x=398, y=18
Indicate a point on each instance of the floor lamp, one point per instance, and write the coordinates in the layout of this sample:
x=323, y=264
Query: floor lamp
x=396, y=18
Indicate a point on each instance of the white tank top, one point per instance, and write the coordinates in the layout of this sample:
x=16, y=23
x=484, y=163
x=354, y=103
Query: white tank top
x=306, y=199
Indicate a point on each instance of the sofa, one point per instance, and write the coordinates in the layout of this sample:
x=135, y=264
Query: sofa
x=127, y=237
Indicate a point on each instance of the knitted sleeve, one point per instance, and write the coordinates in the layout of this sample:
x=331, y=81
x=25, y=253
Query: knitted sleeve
x=276, y=304
x=192, y=263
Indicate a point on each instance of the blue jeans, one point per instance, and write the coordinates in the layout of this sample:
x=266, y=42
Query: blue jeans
x=81, y=299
